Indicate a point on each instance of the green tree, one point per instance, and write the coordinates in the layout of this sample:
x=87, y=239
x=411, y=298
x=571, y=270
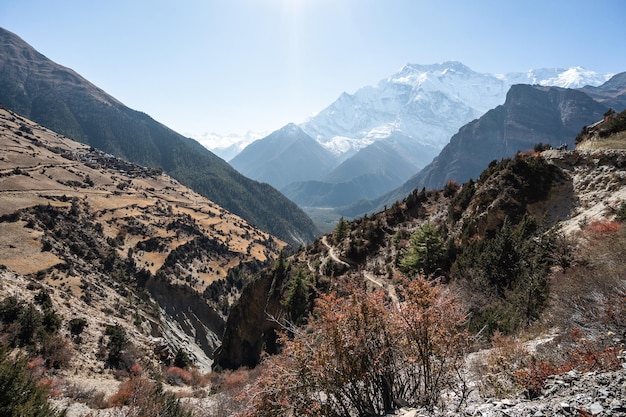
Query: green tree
x=426, y=253
x=20, y=393
x=341, y=231
x=182, y=359
x=118, y=341
x=297, y=297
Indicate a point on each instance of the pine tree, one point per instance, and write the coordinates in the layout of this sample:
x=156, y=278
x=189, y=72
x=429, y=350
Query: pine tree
x=20, y=393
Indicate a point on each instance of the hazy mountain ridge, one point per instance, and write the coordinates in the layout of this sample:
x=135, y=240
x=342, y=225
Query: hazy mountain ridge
x=285, y=156
x=58, y=98
x=367, y=174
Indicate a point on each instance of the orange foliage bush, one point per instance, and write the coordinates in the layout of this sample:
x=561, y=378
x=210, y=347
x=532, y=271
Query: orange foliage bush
x=600, y=228
x=129, y=392
x=362, y=355
x=177, y=376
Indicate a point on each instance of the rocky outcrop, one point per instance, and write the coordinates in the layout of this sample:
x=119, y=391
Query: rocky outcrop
x=530, y=115
x=250, y=327
x=570, y=394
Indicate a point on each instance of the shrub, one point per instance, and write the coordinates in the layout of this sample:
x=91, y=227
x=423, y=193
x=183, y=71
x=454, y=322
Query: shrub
x=177, y=376
x=601, y=227
x=117, y=343
x=506, y=275
x=181, y=359
x=76, y=326
x=146, y=398
x=56, y=352
x=20, y=392
x=361, y=355
x=450, y=188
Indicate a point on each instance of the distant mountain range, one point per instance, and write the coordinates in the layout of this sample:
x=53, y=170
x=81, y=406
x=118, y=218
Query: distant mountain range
x=58, y=98
x=382, y=135
x=530, y=115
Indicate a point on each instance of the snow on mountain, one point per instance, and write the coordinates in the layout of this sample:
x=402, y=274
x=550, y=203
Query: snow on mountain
x=228, y=146
x=428, y=103
x=575, y=77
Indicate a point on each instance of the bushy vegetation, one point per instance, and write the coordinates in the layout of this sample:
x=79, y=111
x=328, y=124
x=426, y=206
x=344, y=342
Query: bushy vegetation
x=361, y=355
x=24, y=325
x=21, y=393
x=426, y=253
x=507, y=275
x=143, y=397
x=613, y=123
x=32, y=330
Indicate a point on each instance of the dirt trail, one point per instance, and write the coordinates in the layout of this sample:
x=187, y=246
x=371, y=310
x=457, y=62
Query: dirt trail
x=388, y=287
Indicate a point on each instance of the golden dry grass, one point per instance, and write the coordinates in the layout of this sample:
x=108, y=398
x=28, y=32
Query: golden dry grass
x=20, y=249
x=33, y=172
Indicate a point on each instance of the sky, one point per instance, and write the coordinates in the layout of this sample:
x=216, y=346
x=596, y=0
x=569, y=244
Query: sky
x=232, y=66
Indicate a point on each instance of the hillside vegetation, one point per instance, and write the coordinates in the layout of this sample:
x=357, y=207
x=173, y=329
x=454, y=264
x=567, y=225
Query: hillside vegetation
x=494, y=296
x=63, y=101
x=109, y=269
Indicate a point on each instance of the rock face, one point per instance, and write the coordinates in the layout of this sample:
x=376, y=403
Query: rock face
x=530, y=115
x=251, y=328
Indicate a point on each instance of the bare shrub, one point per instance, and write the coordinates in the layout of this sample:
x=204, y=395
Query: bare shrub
x=57, y=352
x=591, y=295
x=361, y=355
x=496, y=376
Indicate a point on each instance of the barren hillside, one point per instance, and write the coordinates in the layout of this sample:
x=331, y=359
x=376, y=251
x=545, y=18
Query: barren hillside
x=116, y=243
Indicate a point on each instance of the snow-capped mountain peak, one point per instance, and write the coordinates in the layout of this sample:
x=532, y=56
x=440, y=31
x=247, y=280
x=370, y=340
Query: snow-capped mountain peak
x=577, y=77
x=228, y=146
x=428, y=103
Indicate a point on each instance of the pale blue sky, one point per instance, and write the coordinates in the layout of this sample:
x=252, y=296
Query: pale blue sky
x=233, y=65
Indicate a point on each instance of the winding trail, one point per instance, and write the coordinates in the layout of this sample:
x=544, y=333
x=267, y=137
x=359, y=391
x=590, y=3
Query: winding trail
x=368, y=275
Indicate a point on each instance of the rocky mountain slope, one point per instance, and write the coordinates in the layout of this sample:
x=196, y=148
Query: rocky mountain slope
x=117, y=246
x=60, y=99
x=567, y=188
x=412, y=114
x=116, y=243
x=527, y=235
x=530, y=115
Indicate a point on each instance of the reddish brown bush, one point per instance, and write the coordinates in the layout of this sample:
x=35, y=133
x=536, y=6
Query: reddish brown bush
x=178, y=376
x=130, y=392
x=142, y=397
x=362, y=355
x=600, y=228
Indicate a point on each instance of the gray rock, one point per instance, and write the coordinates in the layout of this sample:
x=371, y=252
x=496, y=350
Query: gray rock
x=595, y=408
